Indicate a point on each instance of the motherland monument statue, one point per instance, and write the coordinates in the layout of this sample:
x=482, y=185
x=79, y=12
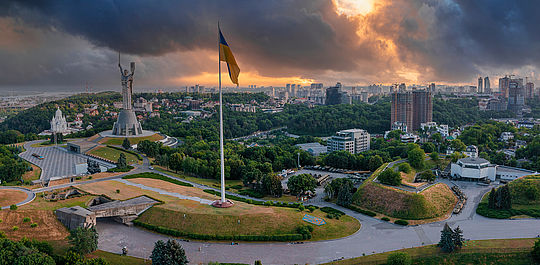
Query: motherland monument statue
x=127, y=124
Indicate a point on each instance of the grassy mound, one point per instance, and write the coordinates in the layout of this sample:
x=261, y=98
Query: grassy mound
x=525, y=193
x=433, y=202
x=113, y=154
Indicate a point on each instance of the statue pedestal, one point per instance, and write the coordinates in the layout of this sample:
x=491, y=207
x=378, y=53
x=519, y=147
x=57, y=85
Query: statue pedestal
x=226, y=204
x=127, y=124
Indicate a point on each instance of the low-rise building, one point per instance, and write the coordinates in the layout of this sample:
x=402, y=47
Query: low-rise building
x=353, y=141
x=76, y=216
x=409, y=138
x=506, y=136
x=315, y=149
x=399, y=126
x=471, y=151
x=479, y=169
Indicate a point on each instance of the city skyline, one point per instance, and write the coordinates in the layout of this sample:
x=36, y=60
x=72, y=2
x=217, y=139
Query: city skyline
x=47, y=44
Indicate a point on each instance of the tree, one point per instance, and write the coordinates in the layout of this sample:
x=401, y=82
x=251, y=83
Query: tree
x=122, y=161
x=405, y=167
x=416, y=158
x=434, y=156
x=535, y=253
x=344, y=196
x=175, y=162
x=428, y=147
x=457, y=145
x=168, y=253
x=399, y=258
x=447, y=243
x=427, y=175
x=84, y=240
x=301, y=183
x=506, y=198
x=395, y=134
x=375, y=162
x=272, y=185
x=126, y=144
x=457, y=237
x=492, y=199
x=390, y=177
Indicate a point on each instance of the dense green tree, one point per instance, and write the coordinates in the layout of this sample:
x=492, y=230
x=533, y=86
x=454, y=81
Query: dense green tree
x=122, y=161
x=395, y=134
x=447, y=243
x=176, y=162
x=405, y=167
x=272, y=185
x=428, y=147
x=375, y=162
x=458, y=145
x=126, y=144
x=390, y=177
x=301, y=183
x=399, y=258
x=492, y=199
x=416, y=158
x=333, y=188
x=344, y=197
x=535, y=253
x=168, y=253
x=427, y=175
x=434, y=156
x=457, y=237
x=84, y=240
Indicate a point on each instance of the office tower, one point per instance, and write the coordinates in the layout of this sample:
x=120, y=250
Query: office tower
x=334, y=95
x=516, y=96
x=480, y=85
x=487, y=85
x=411, y=108
x=353, y=141
x=503, y=86
x=432, y=87
x=529, y=90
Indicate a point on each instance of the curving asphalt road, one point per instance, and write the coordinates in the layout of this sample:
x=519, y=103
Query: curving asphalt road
x=375, y=236
x=30, y=195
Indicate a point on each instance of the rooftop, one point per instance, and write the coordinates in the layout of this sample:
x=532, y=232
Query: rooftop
x=473, y=160
x=115, y=204
x=77, y=210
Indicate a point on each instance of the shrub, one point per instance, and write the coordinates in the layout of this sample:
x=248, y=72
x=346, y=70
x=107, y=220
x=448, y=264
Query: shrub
x=150, y=175
x=301, y=208
x=127, y=168
x=13, y=207
x=399, y=258
x=405, y=167
x=33, y=225
x=0, y=220
x=2, y=234
x=117, y=191
x=385, y=219
x=26, y=220
x=311, y=208
x=237, y=187
x=535, y=253
x=401, y=222
x=362, y=211
x=15, y=228
x=390, y=177
x=251, y=193
x=90, y=177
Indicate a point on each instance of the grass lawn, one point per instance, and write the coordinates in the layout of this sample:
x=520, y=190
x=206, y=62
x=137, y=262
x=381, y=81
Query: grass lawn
x=497, y=251
x=132, y=140
x=49, y=228
x=117, y=259
x=435, y=201
x=9, y=197
x=32, y=175
x=254, y=220
x=523, y=205
x=41, y=204
x=113, y=154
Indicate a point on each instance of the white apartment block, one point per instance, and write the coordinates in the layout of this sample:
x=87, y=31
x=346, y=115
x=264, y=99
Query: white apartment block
x=353, y=141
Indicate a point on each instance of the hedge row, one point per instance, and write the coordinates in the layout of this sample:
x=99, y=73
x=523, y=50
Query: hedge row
x=150, y=175
x=256, y=202
x=401, y=222
x=362, y=211
x=331, y=210
x=484, y=210
x=139, y=157
x=176, y=233
x=115, y=169
x=251, y=193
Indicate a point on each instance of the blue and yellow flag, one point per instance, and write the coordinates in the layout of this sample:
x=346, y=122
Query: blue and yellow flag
x=225, y=54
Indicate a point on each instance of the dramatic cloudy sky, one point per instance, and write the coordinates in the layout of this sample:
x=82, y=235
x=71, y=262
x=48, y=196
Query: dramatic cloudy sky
x=47, y=43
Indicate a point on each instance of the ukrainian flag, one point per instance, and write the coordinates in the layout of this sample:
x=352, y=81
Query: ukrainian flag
x=225, y=54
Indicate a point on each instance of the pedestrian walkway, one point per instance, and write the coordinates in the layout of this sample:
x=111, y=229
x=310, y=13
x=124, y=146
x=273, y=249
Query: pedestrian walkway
x=163, y=192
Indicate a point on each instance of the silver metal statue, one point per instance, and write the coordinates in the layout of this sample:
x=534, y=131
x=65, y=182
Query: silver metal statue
x=127, y=84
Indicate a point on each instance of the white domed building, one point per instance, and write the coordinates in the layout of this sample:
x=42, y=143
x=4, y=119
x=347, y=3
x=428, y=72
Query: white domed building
x=59, y=123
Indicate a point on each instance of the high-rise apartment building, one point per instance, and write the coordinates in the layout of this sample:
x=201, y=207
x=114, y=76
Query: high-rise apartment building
x=335, y=96
x=480, y=85
x=529, y=90
x=353, y=141
x=503, y=86
x=487, y=85
x=411, y=108
x=516, y=96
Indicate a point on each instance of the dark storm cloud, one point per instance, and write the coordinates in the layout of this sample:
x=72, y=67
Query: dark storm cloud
x=442, y=40
x=291, y=33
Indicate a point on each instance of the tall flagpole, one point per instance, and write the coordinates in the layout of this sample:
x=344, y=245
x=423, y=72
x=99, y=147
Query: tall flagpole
x=221, y=127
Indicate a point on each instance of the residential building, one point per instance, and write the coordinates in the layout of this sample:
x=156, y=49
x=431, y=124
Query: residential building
x=353, y=141
x=411, y=107
x=516, y=96
x=471, y=151
x=401, y=110
x=335, y=96
x=487, y=85
x=529, y=90
x=480, y=85
x=503, y=86
x=399, y=126
x=506, y=136
x=409, y=138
